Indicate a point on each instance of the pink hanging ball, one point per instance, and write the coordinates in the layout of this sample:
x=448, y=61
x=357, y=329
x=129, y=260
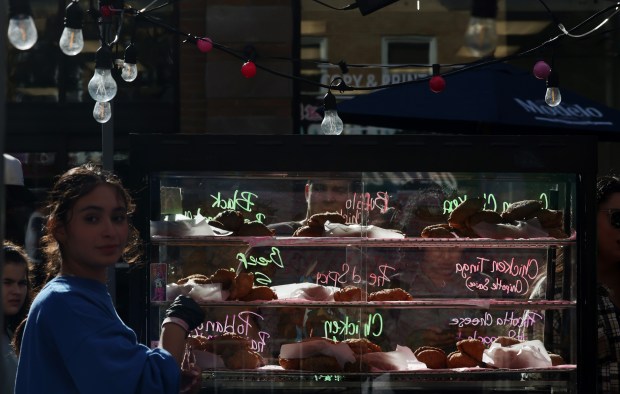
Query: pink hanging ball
x=248, y=69
x=541, y=69
x=437, y=84
x=204, y=44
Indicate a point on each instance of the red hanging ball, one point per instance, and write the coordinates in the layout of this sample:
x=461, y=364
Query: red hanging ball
x=248, y=69
x=437, y=84
x=204, y=44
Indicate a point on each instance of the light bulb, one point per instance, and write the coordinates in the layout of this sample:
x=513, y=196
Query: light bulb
x=331, y=124
x=130, y=72
x=102, y=87
x=102, y=111
x=22, y=32
x=553, y=97
x=481, y=33
x=72, y=40
x=130, y=69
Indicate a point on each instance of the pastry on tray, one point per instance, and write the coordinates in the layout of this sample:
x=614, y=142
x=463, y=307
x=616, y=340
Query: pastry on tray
x=235, y=350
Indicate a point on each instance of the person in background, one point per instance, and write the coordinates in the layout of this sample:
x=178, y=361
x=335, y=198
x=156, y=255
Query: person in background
x=608, y=273
x=74, y=341
x=16, y=297
x=321, y=196
x=19, y=201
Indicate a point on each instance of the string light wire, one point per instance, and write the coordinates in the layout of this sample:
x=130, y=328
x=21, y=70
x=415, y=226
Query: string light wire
x=145, y=14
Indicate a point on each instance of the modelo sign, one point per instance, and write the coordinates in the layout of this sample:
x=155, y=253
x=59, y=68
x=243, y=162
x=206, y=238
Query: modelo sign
x=565, y=113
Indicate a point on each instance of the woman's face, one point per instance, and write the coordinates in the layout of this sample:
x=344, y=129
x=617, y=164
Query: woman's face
x=96, y=233
x=608, y=235
x=14, y=287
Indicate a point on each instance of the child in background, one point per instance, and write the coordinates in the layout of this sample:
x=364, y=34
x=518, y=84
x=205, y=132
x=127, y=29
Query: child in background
x=16, y=297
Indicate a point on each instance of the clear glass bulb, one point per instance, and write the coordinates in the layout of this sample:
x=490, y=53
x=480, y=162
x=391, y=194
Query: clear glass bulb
x=71, y=41
x=553, y=97
x=102, y=87
x=481, y=36
x=130, y=72
x=332, y=124
x=22, y=32
x=102, y=111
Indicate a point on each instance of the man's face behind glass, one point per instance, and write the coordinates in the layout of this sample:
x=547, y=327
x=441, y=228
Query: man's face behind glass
x=327, y=196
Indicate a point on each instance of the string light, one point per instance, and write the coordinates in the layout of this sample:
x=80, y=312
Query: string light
x=102, y=111
x=22, y=32
x=332, y=124
x=130, y=67
x=553, y=97
x=481, y=33
x=72, y=40
x=436, y=82
x=102, y=87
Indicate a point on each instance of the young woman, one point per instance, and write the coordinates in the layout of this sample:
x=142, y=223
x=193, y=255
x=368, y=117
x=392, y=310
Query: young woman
x=74, y=341
x=16, y=293
x=608, y=235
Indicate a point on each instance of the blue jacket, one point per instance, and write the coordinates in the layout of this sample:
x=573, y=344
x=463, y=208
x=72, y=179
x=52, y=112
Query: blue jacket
x=74, y=342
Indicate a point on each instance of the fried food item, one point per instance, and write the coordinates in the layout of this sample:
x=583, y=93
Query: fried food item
x=550, y=218
x=223, y=276
x=244, y=359
x=241, y=285
x=307, y=231
x=556, y=359
x=395, y=294
x=457, y=359
x=319, y=219
x=433, y=357
x=361, y=346
x=506, y=341
x=235, y=350
x=471, y=347
x=464, y=210
x=255, y=229
x=231, y=220
x=484, y=216
x=198, y=278
x=438, y=231
x=349, y=293
x=262, y=293
x=521, y=210
x=215, y=223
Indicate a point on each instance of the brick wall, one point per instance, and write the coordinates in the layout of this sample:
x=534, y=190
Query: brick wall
x=214, y=95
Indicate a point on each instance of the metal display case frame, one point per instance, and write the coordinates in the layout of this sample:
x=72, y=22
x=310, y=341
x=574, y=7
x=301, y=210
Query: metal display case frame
x=575, y=155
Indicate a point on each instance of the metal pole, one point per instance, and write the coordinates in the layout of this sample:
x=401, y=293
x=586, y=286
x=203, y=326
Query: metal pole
x=4, y=384
x=107, y=152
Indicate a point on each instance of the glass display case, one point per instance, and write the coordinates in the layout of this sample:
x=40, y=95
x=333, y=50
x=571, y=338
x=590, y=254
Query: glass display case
x=383, y=264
